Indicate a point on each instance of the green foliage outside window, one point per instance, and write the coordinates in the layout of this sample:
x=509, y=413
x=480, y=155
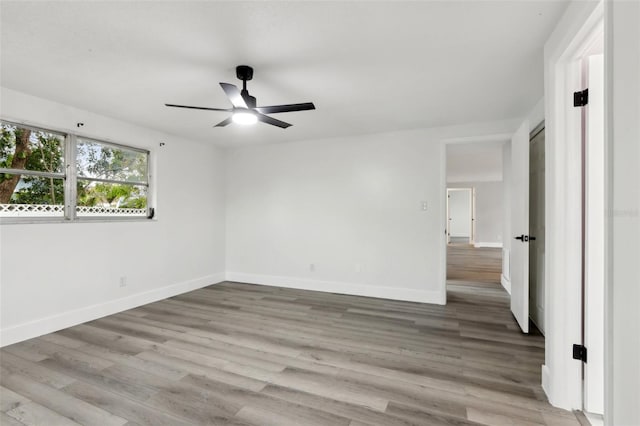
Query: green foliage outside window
x=125, y=171
x=100, y=161
x=31, y=150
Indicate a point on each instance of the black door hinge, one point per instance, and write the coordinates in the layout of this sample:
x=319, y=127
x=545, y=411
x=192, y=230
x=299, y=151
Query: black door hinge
x=580, y=353
x=581, y=98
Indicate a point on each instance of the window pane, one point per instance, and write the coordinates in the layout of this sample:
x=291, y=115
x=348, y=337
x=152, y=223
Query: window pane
x=32, y=196
x=38, y=150
x=111, y=199
x=103, y=161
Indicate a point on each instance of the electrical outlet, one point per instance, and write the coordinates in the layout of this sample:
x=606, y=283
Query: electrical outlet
x=312, y=267
x=123, y=281
x=358, y=268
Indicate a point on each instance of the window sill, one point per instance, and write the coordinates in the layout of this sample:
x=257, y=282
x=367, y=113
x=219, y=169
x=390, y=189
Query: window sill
x=49, y=220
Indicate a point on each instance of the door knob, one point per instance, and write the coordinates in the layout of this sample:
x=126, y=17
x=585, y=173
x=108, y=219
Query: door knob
x=521, y=238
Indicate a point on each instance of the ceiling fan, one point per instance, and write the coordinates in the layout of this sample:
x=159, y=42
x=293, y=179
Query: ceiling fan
x=244, y=109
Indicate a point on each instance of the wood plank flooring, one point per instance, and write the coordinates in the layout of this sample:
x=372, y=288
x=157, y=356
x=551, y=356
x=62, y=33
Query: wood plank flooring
x=474, y=265
x=237, y=354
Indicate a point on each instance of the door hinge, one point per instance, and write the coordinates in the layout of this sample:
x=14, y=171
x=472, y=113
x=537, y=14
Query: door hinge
x=581, y=98
x=580, y=353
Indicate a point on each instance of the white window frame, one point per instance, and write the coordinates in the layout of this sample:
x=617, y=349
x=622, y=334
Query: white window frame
x=70, y=178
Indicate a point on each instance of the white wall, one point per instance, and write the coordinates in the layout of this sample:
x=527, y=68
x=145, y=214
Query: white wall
x=489, y=211
x=460, y=213
x=60, y=274
x=350, y=206
x=623, y=121
x=477, y=161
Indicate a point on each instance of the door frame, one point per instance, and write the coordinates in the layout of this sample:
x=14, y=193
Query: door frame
x=444, y=142
x=594, y=244
x=561, y=374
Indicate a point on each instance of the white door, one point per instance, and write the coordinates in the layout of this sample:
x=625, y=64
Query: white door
x=472, y=238
x=460, y=215
x=594, y=239
x=520, y=226
x=448, y=218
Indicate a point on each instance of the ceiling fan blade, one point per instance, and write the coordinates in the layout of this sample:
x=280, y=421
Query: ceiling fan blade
x=272, y=121
x=223, y=122
x=233, y=93
x=285, y=108
x=195, y=107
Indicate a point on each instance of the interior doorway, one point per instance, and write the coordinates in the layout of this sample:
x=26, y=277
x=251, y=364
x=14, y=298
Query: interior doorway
x=474, y=221
x=467, y=264
x=460, y=206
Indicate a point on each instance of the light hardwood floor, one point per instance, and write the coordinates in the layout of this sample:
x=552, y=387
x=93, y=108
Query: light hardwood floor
x=479, y=266
x=237, y=354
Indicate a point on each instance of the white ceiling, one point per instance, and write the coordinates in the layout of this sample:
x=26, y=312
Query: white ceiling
x=368, y=66
x=475, y=161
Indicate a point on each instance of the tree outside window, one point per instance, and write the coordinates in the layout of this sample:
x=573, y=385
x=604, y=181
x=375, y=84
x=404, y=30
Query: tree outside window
x=110, y=179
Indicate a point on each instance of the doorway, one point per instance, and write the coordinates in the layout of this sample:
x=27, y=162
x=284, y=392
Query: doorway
x=460, y=229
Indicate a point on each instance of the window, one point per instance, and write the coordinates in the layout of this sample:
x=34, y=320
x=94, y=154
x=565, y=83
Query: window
x=32, y=172
x=49, y=174
x=110, y=179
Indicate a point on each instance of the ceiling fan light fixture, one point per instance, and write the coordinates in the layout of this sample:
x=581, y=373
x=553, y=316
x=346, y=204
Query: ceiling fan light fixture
x=245, y=118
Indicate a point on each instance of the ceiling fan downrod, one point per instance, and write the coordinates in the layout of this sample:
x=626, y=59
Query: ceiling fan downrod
x=245, y=73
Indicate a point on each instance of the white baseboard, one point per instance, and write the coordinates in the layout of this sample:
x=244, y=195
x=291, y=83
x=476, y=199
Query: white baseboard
x=594, y=419
x=493, y=245
x=405, y=294
x=35, y=328
x=38, y=327
x=505, y=283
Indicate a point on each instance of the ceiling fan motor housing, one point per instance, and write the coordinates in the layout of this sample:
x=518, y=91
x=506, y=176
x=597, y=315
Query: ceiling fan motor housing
x=244, y=72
